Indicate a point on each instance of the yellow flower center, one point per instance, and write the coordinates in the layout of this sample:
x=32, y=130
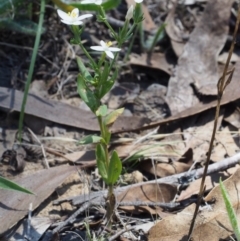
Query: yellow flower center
x=109, y=43
x=72, y=14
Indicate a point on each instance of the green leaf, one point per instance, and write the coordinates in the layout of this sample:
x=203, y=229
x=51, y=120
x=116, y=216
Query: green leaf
x=107, y=134
x=102, y=110
x=111, y=117
x=101, y=162
x=103, y=88
x=7, y=184
x=87, y=94
x=231, y=213
x=87, y=76
x=107, y=5
x=90, y=139
x=115, y=168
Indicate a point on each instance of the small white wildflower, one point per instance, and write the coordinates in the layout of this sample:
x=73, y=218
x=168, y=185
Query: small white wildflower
x=72, y=18
x=129, y=14
x=105, y=47
x=97, y=2
x=138, y=1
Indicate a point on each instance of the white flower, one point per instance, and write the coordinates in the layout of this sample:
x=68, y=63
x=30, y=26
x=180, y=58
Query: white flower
x=72, y=18
x=129, y=14
x=138, y=1
x=105, y=47
x=97, y=2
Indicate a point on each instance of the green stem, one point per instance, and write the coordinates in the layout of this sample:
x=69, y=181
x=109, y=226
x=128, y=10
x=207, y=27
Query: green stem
x=154, y=42
x=77, y=33
x=130, y=45
x=141, y=32
x=104, y=19
x=110, y=197
x=88, y=55
x=111, y=202
x=103, y=135
x=31, y=68
x=101, y=60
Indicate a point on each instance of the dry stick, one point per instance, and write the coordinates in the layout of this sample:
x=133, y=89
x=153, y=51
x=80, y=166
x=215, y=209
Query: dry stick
x=173, y=179
x=115, y=236
x=222, y=84
x=72, y=218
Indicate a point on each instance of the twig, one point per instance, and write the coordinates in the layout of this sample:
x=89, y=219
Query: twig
x=115, y=236
x=174, y=179
x=222, y=84
x=72, y=218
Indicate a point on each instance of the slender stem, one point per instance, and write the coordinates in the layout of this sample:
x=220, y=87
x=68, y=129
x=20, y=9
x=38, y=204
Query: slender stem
x=101, y=60
x=31, y=68
x=111, y=201
x=104, y=19
x=130, y=45
x=221, y=86
x=76, y=33
x=103, y=135
x=154, y=42
x=88, y=55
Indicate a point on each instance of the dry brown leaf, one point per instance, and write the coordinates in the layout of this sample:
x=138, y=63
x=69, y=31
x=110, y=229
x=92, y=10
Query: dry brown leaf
x=222, y=58
x=82, y=157
x=231, y=94
x=15, y=205
x=120, y=94
x=175, y=34
x=211, y=181
x=62, y=113
x=163, y=192
x=233, y=117
x=156, y=61
x=164, y=169
x=225, y=142
x=198, y=62
x=212, y=223
x=198, y=135
x=38, y=227
x=150, y=150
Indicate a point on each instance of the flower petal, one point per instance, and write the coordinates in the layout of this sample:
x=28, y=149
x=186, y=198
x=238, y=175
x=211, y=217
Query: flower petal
x=84, y=16
x=109, y=54
x=98, y=2
x=63, y=15
x=129, y=14
x=97, y=48
x=103, y=44
x=66, y=22
x=77, y=23
x=113, y=49
x=138, y=1
x=75, y=12
x=87, y=1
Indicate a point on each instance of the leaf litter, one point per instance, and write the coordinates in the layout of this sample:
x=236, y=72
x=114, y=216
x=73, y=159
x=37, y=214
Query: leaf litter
x=191, y=89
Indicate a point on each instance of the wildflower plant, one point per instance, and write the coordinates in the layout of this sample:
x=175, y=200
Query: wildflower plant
x=95, y=84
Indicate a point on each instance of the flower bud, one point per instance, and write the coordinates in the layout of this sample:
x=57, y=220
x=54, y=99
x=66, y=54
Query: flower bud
x=129, y=14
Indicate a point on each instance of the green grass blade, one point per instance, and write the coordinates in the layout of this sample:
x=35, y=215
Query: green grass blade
x=31, y=68
x=9, y=185
x=231, y=213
